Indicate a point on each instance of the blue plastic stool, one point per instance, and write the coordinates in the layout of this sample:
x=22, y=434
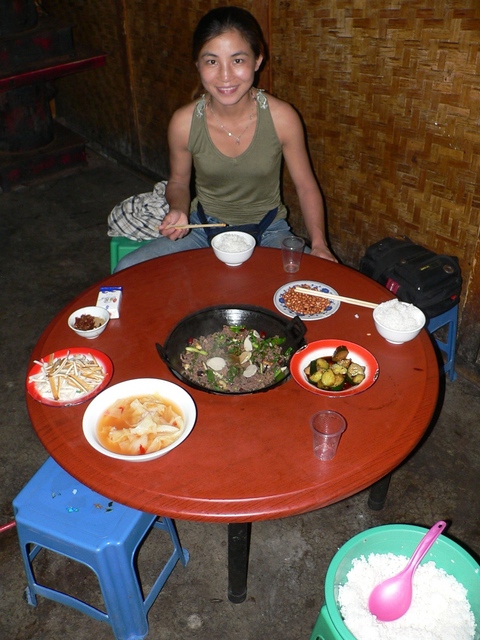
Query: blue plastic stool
x=449, y=318
x=56, y=512
x=120, y=247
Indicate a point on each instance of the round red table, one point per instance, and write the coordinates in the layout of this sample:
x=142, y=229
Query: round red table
x=249, y=457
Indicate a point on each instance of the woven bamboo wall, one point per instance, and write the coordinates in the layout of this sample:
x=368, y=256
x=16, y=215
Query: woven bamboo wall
x=390, y=94
x=99, y=103
x=389, y=91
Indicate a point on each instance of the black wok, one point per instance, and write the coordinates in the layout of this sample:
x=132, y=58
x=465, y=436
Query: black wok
x=212, y=319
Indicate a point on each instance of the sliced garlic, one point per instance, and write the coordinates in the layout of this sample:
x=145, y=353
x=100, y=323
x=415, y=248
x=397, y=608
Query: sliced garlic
x=250, y=371
x=247, y=344
x=216, y=364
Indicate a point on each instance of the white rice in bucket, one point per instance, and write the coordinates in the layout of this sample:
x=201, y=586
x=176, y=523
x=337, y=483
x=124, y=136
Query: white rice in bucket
x=232, y=243
x=397, y=315
x=439, y=611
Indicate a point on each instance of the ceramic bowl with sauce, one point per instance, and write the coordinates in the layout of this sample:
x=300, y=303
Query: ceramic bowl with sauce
x=89, y=322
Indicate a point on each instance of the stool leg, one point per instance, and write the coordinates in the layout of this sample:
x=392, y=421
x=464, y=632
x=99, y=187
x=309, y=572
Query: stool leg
x=166, y=524
x=125, y=608
x=34, y=588
x=450, y=320
x=452, y=339
x=28, y=557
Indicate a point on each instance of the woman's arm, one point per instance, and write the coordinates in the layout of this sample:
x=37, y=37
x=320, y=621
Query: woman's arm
x=178, y=187
x=292, y=138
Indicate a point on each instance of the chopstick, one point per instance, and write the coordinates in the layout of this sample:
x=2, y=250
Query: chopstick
x=331, y=296
x=196, y=226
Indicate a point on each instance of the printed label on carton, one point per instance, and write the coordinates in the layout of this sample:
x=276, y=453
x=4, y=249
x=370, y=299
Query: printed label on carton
x=110, y=298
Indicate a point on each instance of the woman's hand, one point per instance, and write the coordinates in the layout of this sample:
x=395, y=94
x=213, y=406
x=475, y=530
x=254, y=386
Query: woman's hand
x=323, y=252
x=174, y=217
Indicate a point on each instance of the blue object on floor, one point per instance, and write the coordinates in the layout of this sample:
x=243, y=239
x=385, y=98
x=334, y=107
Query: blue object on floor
x=449, y=318
x=120, y=247
x=56, y=512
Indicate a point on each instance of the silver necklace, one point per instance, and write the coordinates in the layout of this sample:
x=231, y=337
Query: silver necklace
x=229, y=133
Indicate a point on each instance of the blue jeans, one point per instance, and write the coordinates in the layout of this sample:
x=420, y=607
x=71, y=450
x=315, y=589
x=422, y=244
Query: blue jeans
x=197, y=239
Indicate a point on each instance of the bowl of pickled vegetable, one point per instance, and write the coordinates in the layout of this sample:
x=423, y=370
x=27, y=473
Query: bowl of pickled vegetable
x=334, y=368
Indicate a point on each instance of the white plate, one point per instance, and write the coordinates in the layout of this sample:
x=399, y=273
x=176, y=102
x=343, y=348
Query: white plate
x=279, y=302
x=139, y=386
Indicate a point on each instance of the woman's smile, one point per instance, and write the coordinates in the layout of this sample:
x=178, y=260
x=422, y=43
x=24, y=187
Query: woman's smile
x=227, y=67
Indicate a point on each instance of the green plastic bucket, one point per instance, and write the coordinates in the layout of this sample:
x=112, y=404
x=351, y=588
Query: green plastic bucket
x=400, y=539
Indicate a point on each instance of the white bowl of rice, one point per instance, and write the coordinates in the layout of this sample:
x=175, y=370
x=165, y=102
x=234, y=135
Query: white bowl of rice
x=397, y=321
x=233, y=247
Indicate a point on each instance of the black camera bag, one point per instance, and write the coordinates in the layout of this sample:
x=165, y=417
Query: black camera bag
x=428, y=280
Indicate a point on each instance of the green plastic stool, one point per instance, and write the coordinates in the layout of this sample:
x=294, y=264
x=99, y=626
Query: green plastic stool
x=120, y=247
x=324, y=628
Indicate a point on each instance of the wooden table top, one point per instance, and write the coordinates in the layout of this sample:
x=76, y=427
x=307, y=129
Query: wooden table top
x=249, y=457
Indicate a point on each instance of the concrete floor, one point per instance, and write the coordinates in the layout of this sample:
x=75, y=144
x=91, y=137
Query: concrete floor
x=53, y=244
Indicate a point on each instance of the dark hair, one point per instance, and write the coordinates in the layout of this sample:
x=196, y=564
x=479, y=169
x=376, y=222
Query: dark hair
x=223, y=19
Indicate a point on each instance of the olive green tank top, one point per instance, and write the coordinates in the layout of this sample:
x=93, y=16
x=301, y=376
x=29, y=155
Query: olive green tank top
x=237, y=190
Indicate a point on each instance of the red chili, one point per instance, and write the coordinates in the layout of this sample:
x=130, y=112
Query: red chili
x=141, y=449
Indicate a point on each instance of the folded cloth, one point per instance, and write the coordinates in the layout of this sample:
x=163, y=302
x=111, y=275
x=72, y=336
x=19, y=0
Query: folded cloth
x=139, y=217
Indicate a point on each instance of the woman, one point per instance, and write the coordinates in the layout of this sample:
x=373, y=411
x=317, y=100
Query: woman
x=234, y=136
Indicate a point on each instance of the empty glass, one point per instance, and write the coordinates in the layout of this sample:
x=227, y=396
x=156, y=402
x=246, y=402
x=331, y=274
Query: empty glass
x=327, y=428
x=292, y=249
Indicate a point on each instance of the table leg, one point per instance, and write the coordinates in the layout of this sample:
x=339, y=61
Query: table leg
x=378, y=493
x=238, y=550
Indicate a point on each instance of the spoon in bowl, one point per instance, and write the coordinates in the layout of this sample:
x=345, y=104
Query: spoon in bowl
x=391, y=599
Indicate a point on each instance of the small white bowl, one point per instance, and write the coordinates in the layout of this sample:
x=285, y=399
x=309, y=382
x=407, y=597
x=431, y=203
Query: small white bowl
x=223, y=245
x=96, y=312
x=388, y=316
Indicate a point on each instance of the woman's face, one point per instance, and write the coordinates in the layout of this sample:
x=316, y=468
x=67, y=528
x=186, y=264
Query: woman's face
x=227, y=67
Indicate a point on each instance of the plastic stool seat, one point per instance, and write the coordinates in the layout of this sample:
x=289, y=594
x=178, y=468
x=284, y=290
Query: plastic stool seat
x=56, y=512
x=120, y=247
x=448, y=347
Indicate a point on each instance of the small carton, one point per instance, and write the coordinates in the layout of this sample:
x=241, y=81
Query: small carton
x=110, y=298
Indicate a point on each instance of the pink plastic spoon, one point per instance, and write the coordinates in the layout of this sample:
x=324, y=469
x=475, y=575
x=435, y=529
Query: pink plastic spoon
x=391, y=599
